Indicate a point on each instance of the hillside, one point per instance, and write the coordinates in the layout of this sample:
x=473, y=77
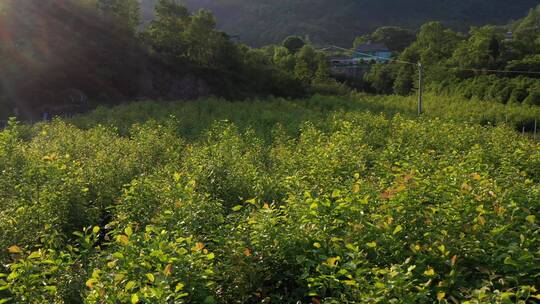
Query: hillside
x=260, y=22
x=60, y=57
x=65, y=56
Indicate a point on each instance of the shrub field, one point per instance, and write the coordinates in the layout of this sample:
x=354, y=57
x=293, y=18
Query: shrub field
x=327, y=200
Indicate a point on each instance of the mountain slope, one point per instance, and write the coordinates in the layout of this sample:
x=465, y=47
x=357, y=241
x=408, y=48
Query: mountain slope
x=259, y=22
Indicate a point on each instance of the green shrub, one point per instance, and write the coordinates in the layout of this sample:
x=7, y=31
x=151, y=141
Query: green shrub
x=312, y=201
x=152, y=265
x=227, y=165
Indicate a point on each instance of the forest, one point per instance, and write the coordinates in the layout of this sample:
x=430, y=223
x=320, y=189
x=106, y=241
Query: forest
x=176, y=164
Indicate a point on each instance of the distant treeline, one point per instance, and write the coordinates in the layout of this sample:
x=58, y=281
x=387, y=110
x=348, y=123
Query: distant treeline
x=495, y=63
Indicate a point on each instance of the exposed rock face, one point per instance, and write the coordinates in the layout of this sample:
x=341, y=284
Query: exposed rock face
x=188, y=87
x=74, y=97
x=155, y=83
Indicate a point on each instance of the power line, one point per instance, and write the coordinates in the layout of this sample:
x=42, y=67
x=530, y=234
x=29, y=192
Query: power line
x=419, y=65
x=415, y=64
x=420, y=71
x=368, y=55
x=495, y=71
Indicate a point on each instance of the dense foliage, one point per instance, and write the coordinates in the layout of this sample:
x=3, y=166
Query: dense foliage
x=394, y=37
x=310, y=201
x=490, y=63
x=262, y=115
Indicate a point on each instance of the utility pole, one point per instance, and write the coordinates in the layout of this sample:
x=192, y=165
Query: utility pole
x=420, y=89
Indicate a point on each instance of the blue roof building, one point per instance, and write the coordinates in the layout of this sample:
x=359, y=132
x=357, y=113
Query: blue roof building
x=372, y=51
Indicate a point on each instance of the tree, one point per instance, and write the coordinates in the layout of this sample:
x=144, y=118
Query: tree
x=381, y=78
x=361, y=40
x=405, y=79
x=406, y=75
x=527, y=32
x=181, y=37
x=306, y=64
x=283, y=59
x=293, y=43
x=435, y=43
x=323, y=67
x=127, y=11
x=164, y=34
x=170, y=9
x=394, y=37
x=482, y=50
x=202, y=40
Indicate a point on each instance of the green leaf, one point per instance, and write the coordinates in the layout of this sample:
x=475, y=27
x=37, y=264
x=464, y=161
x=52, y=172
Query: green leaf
x=129, y=285
x=122, y=239
x=128, y=231
x=134, y=298
x=182, y=295
x=398, y=229
x=351, y=247
x=51, y=289
x=531, y=219
x=210, y=256
x=96, y=229
x=237, y=208
x=90, y=283
x=440, y=296
x=508, y=261
x=34, y=255
x=14, y=249
x=12, y=276
x=179, y=287
x=442, y=248
x=430, y=272
x=333, y=261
